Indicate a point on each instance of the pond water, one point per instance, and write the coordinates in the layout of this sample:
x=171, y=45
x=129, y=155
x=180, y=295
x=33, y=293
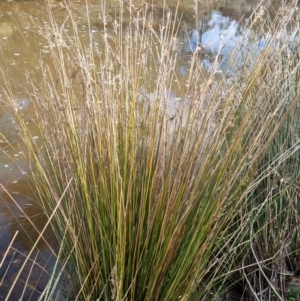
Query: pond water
x=22, y=50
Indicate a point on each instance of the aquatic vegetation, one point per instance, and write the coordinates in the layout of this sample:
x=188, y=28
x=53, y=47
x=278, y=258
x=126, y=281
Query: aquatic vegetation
x=153, y=206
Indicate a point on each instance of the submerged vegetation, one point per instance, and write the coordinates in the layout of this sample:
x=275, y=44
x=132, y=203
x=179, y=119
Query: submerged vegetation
x=153, y=205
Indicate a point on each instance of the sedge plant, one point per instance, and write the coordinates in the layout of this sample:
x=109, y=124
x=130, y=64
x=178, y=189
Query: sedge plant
x=150, y=205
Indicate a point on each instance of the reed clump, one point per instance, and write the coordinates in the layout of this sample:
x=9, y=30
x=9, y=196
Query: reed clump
x=150, y=205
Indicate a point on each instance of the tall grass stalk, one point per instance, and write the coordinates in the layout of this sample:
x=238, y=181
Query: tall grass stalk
x=160, y=206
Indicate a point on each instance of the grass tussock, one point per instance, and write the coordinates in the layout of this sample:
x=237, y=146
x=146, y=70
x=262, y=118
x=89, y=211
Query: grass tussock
x=150, y=205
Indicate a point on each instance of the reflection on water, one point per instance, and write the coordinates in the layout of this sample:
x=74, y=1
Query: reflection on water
x=217, y=32
x=217, y=36
x=22, y=49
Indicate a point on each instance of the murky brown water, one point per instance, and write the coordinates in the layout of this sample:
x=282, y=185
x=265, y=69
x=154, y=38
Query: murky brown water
x=21, y=50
